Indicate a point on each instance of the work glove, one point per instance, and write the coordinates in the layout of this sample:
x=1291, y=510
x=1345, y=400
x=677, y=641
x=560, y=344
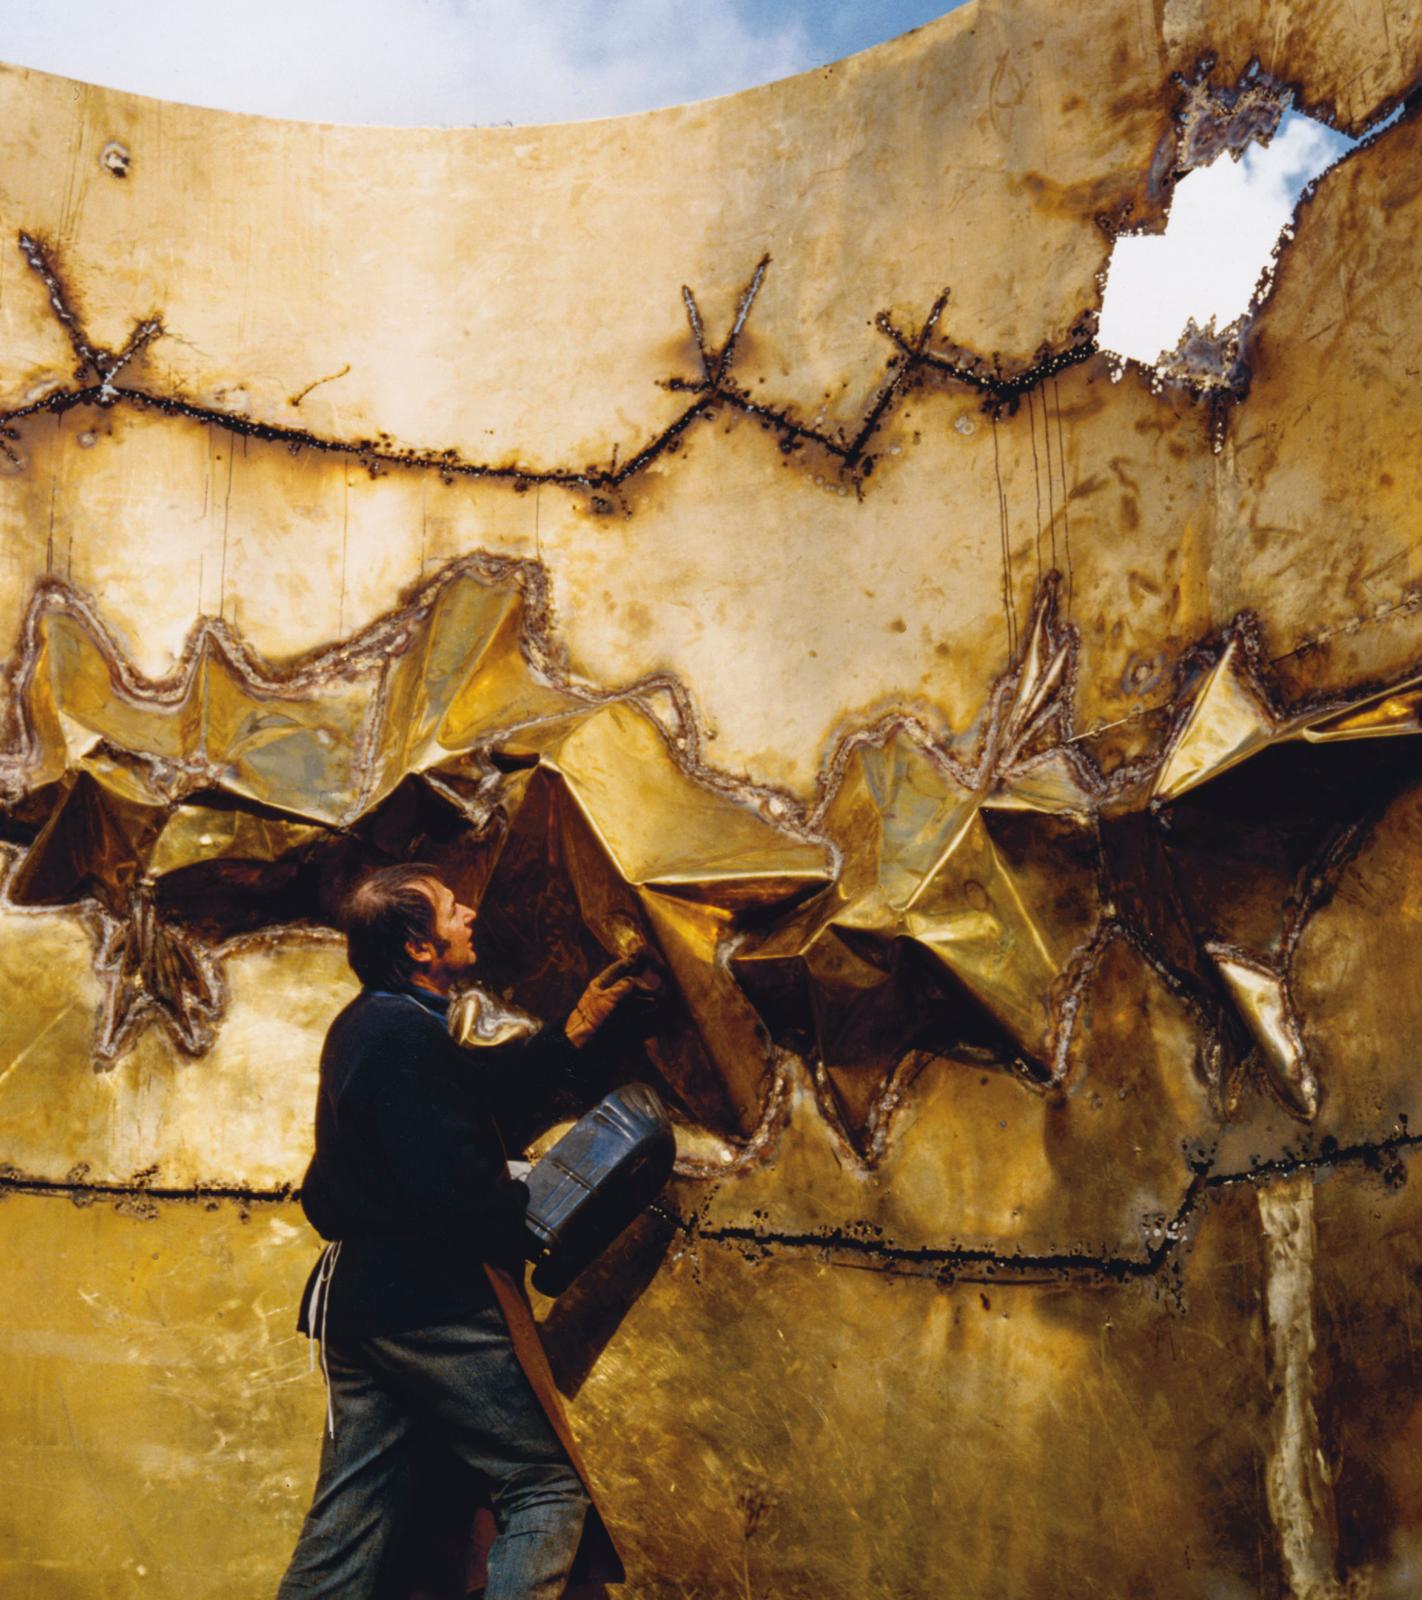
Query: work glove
x=606, y=992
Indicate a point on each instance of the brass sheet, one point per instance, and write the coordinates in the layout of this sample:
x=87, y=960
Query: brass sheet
x=142, y=1349
x=1263, y=1002
x=717, y=531
x=1077, y=469
x=147, y=1358
x=241, y=1119
x=1225, y=725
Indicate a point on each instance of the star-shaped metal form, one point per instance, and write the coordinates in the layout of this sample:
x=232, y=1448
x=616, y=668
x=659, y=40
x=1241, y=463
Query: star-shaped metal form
x=223, y=798
x=940, y=927
x=977, y=894
x=229, y=798
x=611, y=845
x=1249, y=798
x=949, y=898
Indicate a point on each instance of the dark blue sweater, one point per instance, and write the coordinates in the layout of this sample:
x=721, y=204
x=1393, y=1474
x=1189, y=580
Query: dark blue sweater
x=409, y=1171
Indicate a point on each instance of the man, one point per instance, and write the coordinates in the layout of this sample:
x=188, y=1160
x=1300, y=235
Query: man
x=417, y=1299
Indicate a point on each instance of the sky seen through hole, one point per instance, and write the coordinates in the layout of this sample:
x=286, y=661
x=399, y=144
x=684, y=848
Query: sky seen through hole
x=483, y=62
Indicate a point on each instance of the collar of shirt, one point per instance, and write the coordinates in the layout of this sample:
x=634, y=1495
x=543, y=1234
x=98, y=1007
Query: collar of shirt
x=437, y=1003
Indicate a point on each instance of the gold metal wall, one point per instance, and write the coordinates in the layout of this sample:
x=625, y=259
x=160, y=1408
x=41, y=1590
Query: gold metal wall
x=719, y=527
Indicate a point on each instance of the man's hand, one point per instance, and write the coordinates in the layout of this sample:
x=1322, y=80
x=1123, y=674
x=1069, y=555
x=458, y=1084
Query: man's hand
x=603, y=995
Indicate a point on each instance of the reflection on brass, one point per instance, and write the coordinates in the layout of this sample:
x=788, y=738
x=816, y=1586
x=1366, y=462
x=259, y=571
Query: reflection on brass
x=231, y=797
x=247, y=786
x=920, y=870
x=157, y=1346
x=1263, y=1001
x=478, y=1020
x=715, y=533
x=1299, y=1487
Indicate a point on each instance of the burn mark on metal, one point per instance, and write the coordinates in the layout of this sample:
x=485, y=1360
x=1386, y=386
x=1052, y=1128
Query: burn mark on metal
x=115, y=159
x=848, y=450
x=1211, y=365
x=316, y=383
x=952, y=1264
x=1211, y=119
x=159, y=965
x=852, y=1244
x=138, y=1196
x=93, y=358
x=1003, y=388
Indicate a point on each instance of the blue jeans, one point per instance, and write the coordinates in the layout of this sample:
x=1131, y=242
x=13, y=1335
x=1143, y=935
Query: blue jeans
x=464, y=1383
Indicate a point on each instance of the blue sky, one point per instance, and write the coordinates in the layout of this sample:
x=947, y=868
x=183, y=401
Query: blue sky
x=1224, y=222
x=446, y=61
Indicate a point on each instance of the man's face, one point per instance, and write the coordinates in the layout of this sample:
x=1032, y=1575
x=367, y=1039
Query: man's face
x=454, y=928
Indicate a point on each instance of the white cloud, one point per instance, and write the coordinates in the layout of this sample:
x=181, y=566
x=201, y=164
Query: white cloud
x=411, y=61
x=1224, y=222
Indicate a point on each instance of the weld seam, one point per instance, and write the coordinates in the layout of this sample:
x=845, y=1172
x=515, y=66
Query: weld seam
x=948, y=1262
x=715, y=386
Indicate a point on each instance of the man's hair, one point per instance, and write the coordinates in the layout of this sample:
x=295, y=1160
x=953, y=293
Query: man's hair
x=384, y=911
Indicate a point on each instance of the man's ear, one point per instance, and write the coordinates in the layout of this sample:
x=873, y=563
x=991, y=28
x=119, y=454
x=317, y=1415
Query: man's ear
x=420, y=951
